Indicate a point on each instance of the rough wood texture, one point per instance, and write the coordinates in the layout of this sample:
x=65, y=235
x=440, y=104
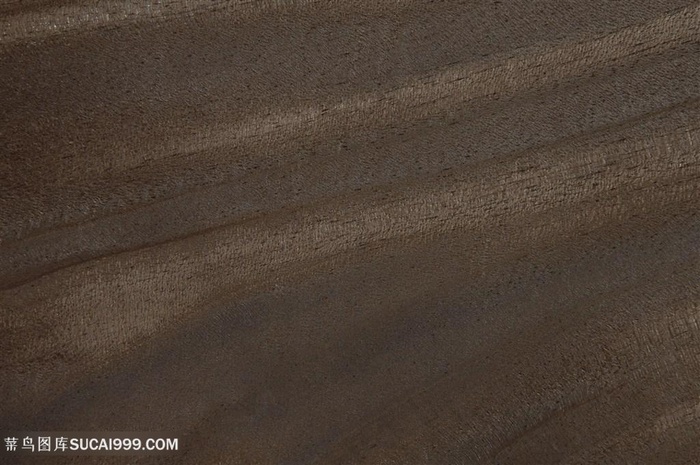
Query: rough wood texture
x=354, y=232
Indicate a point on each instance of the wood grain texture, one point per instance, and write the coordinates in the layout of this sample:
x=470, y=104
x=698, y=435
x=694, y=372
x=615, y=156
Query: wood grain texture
x=325, y=232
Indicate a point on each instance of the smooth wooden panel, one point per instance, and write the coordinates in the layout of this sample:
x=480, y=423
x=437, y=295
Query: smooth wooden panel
x=354, y=232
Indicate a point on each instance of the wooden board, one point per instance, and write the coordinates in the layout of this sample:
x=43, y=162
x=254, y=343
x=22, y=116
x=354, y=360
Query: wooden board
x=358, y=232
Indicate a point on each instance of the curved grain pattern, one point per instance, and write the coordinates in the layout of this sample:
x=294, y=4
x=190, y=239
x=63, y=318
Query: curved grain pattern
x=354, y=232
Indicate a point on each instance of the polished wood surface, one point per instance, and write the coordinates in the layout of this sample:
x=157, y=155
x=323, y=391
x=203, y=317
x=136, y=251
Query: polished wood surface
x=359, y=232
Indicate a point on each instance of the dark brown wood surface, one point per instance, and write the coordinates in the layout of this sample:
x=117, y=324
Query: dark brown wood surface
x=353, y=232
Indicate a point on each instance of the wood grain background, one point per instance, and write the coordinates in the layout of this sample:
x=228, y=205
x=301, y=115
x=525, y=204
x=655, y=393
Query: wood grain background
x=354, y=232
